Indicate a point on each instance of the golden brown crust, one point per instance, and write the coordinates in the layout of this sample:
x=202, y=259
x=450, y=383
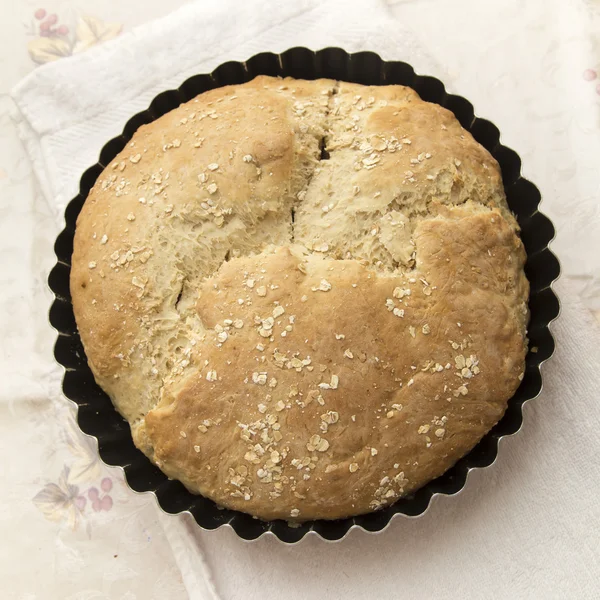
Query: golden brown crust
x=301, y=338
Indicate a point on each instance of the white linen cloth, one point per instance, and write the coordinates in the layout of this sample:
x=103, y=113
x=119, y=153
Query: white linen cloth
x=523, y=528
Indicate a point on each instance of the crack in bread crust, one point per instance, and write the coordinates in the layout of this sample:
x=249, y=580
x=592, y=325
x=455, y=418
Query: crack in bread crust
x=287, y=323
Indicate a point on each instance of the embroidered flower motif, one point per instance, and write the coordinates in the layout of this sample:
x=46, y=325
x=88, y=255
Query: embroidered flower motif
x=53, y=40
x=63, y=502
x=101, y=502
x=592, y=75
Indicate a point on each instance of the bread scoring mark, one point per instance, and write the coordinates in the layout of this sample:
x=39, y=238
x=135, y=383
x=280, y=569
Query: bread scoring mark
x=324, y=154
x=321, y=151
x=179, y=295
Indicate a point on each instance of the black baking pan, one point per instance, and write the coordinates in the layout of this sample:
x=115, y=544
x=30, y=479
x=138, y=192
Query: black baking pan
x=98, y=418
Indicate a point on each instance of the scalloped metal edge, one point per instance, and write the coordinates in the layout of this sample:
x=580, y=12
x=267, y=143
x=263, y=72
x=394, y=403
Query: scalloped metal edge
x=498, y=441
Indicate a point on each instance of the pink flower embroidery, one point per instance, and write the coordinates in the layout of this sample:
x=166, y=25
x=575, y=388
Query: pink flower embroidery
x=53, y=40
x=592, y=75
x=101, y=502
x=63, y=502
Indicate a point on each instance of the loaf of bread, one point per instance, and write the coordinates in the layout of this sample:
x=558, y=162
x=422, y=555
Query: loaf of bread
x=306, y=297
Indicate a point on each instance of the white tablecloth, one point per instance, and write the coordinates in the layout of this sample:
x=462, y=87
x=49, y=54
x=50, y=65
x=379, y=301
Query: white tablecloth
x=523, y=528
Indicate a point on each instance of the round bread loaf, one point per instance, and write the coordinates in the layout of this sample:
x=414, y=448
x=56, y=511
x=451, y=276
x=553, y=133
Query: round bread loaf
x=306, y=297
